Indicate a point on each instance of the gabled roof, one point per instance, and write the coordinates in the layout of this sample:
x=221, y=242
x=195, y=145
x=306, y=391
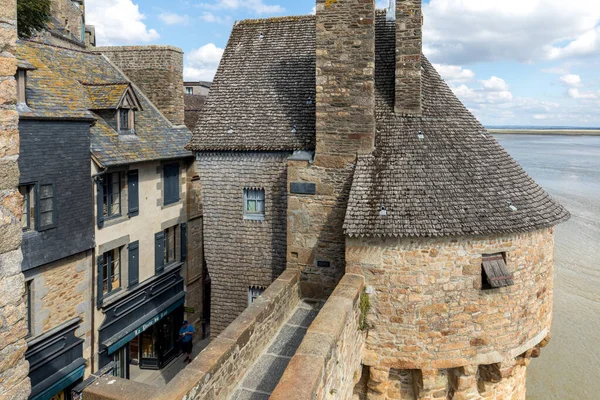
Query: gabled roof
x=54, y=90
x=456, y=181
x=110, y=96
x=262, y=97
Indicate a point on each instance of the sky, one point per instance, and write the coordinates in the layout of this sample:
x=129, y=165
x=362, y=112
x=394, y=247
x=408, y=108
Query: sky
x=512, y=62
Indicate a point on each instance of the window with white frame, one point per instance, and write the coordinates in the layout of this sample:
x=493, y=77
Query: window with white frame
x=28, y=215
x=254, y=292
x=189, y=90
x=254, y=204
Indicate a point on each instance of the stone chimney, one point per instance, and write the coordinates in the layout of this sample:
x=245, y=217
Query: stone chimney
x=157, y=71
x=409, y=45
x=345, y=77
x=345, y=127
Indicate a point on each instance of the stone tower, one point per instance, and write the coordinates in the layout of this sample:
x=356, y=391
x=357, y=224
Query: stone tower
x=345, y=127
x=14, y=383
x=157, y=71
x=70, y=15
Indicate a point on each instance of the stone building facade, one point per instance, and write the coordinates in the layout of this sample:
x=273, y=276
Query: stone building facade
x=390, y=178
x=240, y=252
x=14, y=369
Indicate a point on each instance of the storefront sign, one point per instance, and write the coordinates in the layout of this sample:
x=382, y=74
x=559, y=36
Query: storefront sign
x=189, y=310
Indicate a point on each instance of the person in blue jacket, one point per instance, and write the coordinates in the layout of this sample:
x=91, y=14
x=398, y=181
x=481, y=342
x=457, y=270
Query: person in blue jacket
x=186, y=334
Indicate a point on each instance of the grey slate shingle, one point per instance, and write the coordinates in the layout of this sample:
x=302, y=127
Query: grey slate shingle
x=456, y=181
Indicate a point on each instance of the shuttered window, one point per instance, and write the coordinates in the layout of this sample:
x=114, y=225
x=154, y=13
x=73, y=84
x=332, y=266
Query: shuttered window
x=159, y=257
x=134, y=263
x=111, y=271
x=111, y=203
x=171, y=183
x=495, y=273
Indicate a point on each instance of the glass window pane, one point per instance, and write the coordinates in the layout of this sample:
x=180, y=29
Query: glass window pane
x=251, y=206
x=260, y=206
x=105, y=274
x=46, y=205
x=45, y=191
x=25, y=217
x=116, y=270
x=46, y=219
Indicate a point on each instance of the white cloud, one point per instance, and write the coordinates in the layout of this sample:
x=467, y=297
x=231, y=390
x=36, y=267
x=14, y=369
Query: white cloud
x=459, y=32
x=495, y=84
x=118, y=22
x=454, y=73
x=585, y=45
x=492, y=91
x=210, y=17
x=201, y=64
x=555, y=70
x=576, y=94
x=173, y=19
x=257, y=6
x=571, y=80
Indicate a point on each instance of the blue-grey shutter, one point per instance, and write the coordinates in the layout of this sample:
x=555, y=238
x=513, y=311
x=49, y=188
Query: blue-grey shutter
x=100, y=280
x=171, y=184
x=183, y=241
x=100, y=202
x=134, y=263
x=159, y=255
x=133, y=193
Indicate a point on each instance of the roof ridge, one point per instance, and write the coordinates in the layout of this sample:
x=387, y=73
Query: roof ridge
x=86, y=51
x=104, y=84
x=289, y=18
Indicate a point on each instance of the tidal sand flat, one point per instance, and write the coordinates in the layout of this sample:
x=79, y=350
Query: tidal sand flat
x=568, y=167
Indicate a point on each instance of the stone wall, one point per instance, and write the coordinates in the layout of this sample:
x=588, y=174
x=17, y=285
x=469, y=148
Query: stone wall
x=428, y=307
x=14, y=383
x=217, y=370
x=345, y=127
x=409, y=42
x=70, y=15
x=157, y=71
x=194, y=267
x=61, y=291
x=241, y=253
x=327, y=364
x=429, y=311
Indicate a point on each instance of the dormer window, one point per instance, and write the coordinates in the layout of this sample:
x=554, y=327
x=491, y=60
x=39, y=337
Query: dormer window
x=21, y=85
x=126, y=119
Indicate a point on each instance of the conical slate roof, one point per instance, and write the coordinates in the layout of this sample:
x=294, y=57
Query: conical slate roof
x=441, y=174
x=457, y=180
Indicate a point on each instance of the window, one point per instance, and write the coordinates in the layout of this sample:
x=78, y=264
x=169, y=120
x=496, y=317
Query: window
x=254, y=292
x=28, y=217
x=28, y=307
x=189, y=90
x=47, y=218
x=172, y=241
x=21, y=78
x=254, y=204
x=171, y=183
x=124, y=119
x=112, y=195
x=111, y=271
x=494, y=272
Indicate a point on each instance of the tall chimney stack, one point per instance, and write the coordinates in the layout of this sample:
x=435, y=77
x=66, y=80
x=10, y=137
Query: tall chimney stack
x=345, y=77
x=409, y=45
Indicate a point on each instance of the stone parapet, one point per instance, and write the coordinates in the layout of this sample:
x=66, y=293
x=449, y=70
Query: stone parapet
x=215, y=373
x=327, y=364
x=14, y=369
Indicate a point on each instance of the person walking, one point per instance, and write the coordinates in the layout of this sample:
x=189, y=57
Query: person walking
x=186, y=334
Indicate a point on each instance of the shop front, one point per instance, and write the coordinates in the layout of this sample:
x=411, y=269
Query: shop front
x=56, y=362
x=140, y=331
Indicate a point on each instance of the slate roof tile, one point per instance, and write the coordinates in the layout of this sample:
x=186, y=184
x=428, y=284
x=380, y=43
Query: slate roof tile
x=55, y=90
x=456, y=181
